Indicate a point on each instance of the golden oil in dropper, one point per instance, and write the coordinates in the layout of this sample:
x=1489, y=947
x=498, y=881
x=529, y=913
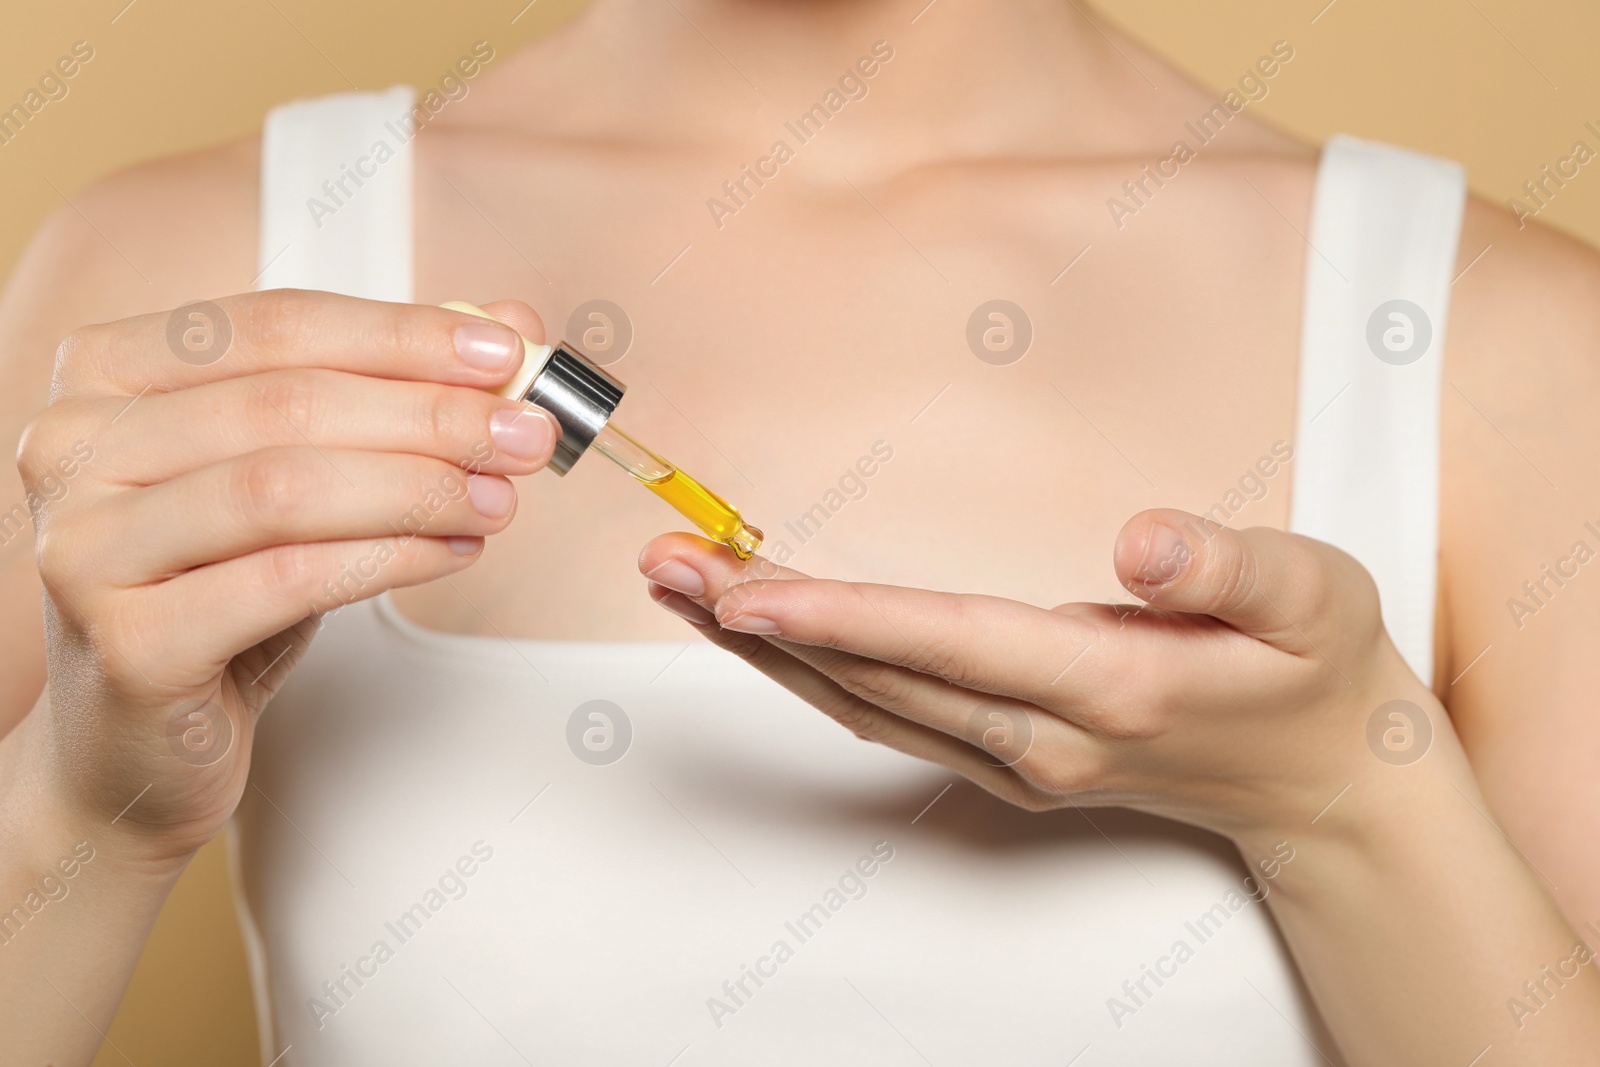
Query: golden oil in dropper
x=719, y=519
x=582, y=397
x=716, y=518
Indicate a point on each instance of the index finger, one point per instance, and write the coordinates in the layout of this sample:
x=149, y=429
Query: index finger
x=254, y=332
x=984, y=643
x=977, y=642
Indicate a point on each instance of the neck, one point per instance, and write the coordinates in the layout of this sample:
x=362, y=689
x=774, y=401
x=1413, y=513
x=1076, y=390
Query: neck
x=968, y=79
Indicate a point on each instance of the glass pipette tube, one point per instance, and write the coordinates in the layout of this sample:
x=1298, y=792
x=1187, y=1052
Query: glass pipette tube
x=716, y=518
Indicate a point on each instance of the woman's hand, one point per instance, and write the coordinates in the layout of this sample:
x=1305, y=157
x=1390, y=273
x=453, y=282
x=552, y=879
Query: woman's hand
x=1250, y=694
x=206, y=484
x=1236, y=697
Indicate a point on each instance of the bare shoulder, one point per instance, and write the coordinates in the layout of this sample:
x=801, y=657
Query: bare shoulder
x=1522, y=374
x=1520, y=283
x=150, y=237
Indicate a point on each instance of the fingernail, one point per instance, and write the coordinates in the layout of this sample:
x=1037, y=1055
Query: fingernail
x=522, y=432
x=679, y=577
x=486, y=345
x=750, y=624
x=1166, y=554
x=492, y=495
x=464, y=546
x=685, y=608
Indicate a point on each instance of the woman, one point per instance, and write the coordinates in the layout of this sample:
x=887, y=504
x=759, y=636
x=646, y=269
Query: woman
x=504, y=814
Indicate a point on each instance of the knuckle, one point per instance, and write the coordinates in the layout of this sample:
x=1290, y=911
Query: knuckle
x=292, y=569
x=1125, y=725
x=83, y=624
x=269, y=487
x=946, y=653
x=275, y=319
x=291, y=398
x=73, y=354
x=441, y=417
x=1235, y=582
x=69, y=551
x=40, y=443
x=1328, y=583
x=1318, y=567
x=1057, y=775
x=1343, y=578
x=405, y=331
x=876, y=683
x=1346, y=589
x=945, y=660
x=1134, y=711
x=736, y=597
x=863, y=720
x=52, y=553
x=54, y=448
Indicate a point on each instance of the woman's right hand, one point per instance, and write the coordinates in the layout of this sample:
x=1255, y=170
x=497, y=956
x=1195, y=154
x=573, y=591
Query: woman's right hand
x=206, y=484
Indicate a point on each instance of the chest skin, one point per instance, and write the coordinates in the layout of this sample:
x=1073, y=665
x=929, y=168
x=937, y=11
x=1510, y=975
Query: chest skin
x=822, y=331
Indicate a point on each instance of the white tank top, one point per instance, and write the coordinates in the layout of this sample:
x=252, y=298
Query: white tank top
x=432, y=875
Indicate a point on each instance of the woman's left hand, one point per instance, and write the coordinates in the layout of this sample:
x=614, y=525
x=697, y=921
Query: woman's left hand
x=1236, y=697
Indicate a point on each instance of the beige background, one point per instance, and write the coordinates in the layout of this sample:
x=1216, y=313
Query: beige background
x=1505, y=86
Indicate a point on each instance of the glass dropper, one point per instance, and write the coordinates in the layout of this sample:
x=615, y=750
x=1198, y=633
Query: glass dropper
x=582, y=398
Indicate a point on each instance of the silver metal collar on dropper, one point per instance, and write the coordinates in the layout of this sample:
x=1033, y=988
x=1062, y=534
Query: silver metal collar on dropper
x=580, y=395
x=564, y=382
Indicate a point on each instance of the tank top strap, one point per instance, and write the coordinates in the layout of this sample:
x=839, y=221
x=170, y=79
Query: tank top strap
x=336, y=195
x=1385, y=227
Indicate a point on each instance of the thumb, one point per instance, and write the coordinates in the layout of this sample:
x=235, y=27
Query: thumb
x=1279, y=587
